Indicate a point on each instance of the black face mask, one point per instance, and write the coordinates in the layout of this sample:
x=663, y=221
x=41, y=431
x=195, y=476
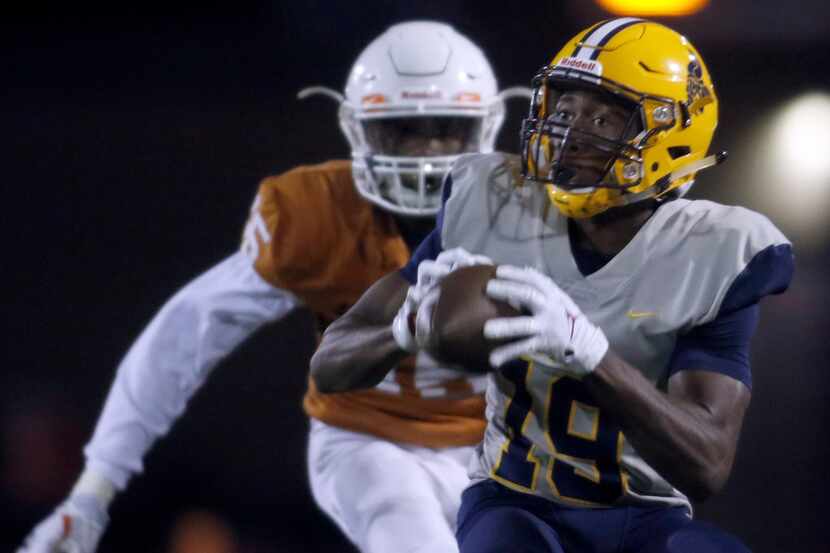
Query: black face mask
x=566, y=142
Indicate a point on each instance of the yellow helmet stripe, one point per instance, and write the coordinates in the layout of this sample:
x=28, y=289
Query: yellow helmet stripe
x=590, y=47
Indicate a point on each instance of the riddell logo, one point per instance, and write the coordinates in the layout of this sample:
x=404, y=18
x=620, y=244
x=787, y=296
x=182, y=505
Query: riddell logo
x=420, y=94
x=588, y=66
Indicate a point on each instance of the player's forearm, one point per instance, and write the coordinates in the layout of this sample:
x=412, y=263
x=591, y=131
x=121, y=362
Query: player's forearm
x=677, y=437
x=358, y=349
x=353, y=355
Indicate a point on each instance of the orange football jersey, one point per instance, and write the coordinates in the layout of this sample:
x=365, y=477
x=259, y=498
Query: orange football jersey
x=312, y=234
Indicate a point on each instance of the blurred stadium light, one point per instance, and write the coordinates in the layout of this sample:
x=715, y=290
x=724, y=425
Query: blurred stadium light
x=802, y=132
x=733, y=22
x=784, y=164
x=653, y=8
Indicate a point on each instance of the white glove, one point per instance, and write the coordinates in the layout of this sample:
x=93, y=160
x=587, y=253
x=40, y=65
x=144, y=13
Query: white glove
x=410, y=330
x=556, y=333
x=77, y=524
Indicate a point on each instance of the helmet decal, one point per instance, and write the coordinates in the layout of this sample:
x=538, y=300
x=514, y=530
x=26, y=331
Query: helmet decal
x=589, y=66
x=696, y=90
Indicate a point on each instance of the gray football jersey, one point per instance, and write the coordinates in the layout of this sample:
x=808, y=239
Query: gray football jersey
x=545, y=435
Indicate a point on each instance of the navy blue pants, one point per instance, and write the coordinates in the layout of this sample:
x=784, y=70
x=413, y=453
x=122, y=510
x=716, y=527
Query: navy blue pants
x=495, y=519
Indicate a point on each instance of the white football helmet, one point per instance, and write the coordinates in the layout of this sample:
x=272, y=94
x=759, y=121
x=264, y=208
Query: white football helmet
x=418, y=97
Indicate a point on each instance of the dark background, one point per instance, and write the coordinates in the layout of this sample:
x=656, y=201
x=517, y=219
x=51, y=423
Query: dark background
x=133, y=138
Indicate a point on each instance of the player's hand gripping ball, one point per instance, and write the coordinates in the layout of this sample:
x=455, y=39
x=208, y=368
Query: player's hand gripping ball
x=421, y=296
x=553, y=331
x=457, y=316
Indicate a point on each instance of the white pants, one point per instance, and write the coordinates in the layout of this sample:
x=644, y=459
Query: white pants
x=387, y=497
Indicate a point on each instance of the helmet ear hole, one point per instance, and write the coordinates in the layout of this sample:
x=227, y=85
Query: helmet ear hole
x=679, y=151
x=654, y=166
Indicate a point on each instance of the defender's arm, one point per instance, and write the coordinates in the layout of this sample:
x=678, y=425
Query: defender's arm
x=171, y=359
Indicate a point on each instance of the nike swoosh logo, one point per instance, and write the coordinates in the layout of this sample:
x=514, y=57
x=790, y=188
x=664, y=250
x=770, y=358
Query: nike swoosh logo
x=640, y=314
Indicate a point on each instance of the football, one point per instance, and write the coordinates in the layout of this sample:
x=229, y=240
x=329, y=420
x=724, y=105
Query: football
x=459, y=315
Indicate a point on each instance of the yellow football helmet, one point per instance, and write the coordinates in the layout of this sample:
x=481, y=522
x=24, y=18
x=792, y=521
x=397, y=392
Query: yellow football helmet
x=661, y=78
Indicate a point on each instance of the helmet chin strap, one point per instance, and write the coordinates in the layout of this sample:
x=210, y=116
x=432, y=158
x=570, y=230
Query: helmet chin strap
x=688, y=169
x=699, y=165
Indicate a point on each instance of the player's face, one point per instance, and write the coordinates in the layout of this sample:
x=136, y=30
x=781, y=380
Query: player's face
x=584, y=162
x=423, y=136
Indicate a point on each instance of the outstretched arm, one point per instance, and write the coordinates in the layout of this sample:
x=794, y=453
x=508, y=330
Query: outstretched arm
x=171, y=359
x=167, y=364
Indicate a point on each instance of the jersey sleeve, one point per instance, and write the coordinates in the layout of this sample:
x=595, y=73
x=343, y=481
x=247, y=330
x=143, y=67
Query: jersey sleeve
x=722, y=345
x=769, y=272
x=198, y=327
x=290, y=235
x=431, y=247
